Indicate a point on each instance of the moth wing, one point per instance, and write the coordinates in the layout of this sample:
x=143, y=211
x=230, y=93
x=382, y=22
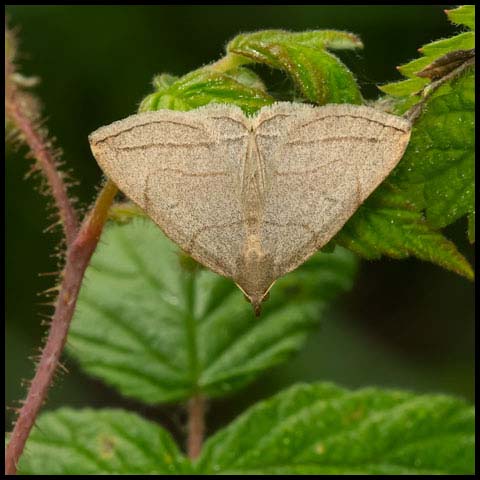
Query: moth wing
x=322, y=163
x=182, y=169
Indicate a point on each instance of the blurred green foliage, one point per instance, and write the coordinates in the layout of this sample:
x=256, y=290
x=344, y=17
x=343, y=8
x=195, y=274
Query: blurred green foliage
x=405, y=324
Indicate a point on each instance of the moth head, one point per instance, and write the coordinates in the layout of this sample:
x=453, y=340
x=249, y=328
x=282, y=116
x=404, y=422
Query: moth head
x=255, y=277
x=256, y=300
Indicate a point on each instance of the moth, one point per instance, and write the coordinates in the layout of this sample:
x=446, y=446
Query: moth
x=251, y=198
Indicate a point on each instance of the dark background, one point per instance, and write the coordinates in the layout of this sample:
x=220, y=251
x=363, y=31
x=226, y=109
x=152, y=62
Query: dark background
x=406, y=324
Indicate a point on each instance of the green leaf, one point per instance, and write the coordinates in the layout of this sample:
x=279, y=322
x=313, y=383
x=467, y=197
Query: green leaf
x=306, y=429
x=463, y=41
x=405, y=87
x=323, y=429
x=387, y=224
x=99, y=442
x=411, y=69
x=438, y=168
x=433, y=51
x=320, y=76
x=207, y=85
x=316, y=39
x=435, y=178
x=464, y=15
x=161, y=333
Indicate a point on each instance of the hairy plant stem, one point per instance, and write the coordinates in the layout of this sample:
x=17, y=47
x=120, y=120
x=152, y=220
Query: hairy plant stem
x=78, y=258
x=17, y=113
x=196, y=425
x=81, y=244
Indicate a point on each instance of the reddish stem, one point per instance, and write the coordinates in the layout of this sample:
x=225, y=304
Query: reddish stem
x=78, y=257
x=16, y=112
x=196, y=426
